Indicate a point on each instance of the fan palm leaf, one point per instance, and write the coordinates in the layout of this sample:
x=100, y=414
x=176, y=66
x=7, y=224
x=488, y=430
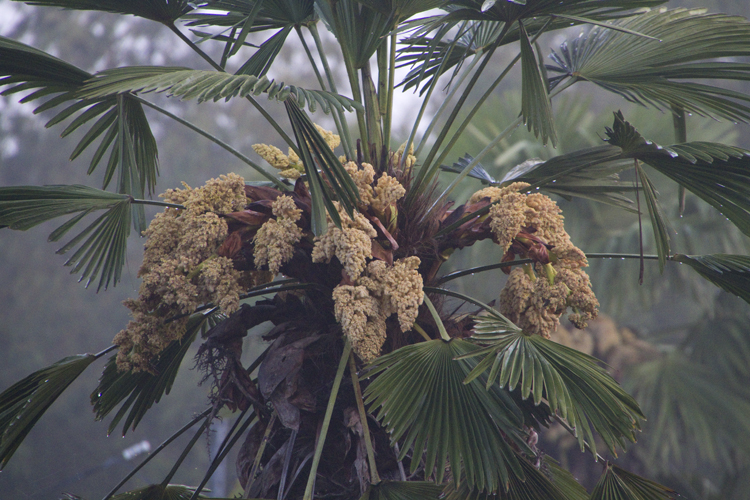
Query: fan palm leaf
x=438, y=413
x=647, y=70
x=619, y=484
x=571, y=382
x=162, y=11
x=24, y=403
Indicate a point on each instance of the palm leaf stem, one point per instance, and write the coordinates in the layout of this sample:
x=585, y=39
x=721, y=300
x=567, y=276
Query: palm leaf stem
x=480, y=269
x=372, y=111
x=261, y=449
x=374, y=476
x=480, y=102
x=195, y=48
x=226, y=447
x=494, y=142
x=425, y=102
x=218, y=142
x=344, y=128
x=439, y=322
x=421, y=331
x=156, y=451
x=390, y=89
x=309, y=488
x=156, y=203
x=622, y=256
x=457, y=295
x=253, y=292
x=572, y=432
x=446, y=102
x=219, y=68
x=457, y=108
x=187, y=450
x=105, y=351
x=337, y=114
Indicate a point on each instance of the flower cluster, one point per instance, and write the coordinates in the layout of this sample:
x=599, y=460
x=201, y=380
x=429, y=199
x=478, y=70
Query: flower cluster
x=363, y=308
x=387, y=190
x=181, y=269
x=530, y=225
x=275, y=240
x=352, y=244
x=289, y=164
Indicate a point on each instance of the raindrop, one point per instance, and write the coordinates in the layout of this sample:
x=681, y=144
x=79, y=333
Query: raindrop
x=99, y=395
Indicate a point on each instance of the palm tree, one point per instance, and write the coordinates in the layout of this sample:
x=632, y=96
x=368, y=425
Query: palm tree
x=378, y=380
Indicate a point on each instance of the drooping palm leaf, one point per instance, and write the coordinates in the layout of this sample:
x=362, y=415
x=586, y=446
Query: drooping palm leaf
x=675, y=386
x=535, y=485
x=729, y=272
x=24, y=403
x=571, y=382
x=162, y=11
x=315, y=153
x=206, y=86
x=120, y=121
x=536, y=107
x=619, y=484
x=403, y=490
x=650, y=71
x=438, y=414
x=260, y=62
x=101, y=245
x=718, y=174
x=141, y=389
x=658, y=219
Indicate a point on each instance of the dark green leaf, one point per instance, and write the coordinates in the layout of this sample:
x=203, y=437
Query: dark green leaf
x=564, y=480
x=718, y=174
x=141, y=389
x=273, y=14
x=101, y=245
x=533, y=485
x=438, y=414
x=260, y=62
x=658, y=220
x=572, y=383
x=162, y=11
x=24, y=403
x=729, y=272
x=619, y=484
x=536, y=107
x=204, y=86
x=315, y=153
x=402, y=490
x=652, y=72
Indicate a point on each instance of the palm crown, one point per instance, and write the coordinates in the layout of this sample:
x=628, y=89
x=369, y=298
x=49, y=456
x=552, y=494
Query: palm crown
x=375, y=383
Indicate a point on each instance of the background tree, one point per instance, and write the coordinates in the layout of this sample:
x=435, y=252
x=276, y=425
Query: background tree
x=405, y=224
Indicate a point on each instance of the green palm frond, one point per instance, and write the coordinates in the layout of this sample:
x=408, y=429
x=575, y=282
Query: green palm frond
x=207, y=86
x=729, y=272
x=536, y=107
x=101, y=245
x=438, y=413
x=534, y=485
x=571, y=382
x=716, y=173
x=649, y=71
x=564, y=480
x=619, y=484
x=359, y=29
x=273, y=14
x=337, y=185
x=674, y=387
x=658, y=219
x=121, y=123
x=403, y=490
x=260, y=62
x=141, y=389
x=162, y=11
x=24, y=403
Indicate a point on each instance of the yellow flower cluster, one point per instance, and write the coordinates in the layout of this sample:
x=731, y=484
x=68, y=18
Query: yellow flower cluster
x=387, y=190
x=290, y=165
x=181, y=270
x=536, y=304
x=363, y=308
x=275, y=240
x=410, y=159
x=351, y=244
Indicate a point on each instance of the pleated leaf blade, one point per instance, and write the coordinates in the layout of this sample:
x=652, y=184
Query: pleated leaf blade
x=162, y=11
x=403, y=490
x=419, y=396
x=536, y=107
x=138, y=392
x=618, y=484
x=24, y=403
x=571, y=382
